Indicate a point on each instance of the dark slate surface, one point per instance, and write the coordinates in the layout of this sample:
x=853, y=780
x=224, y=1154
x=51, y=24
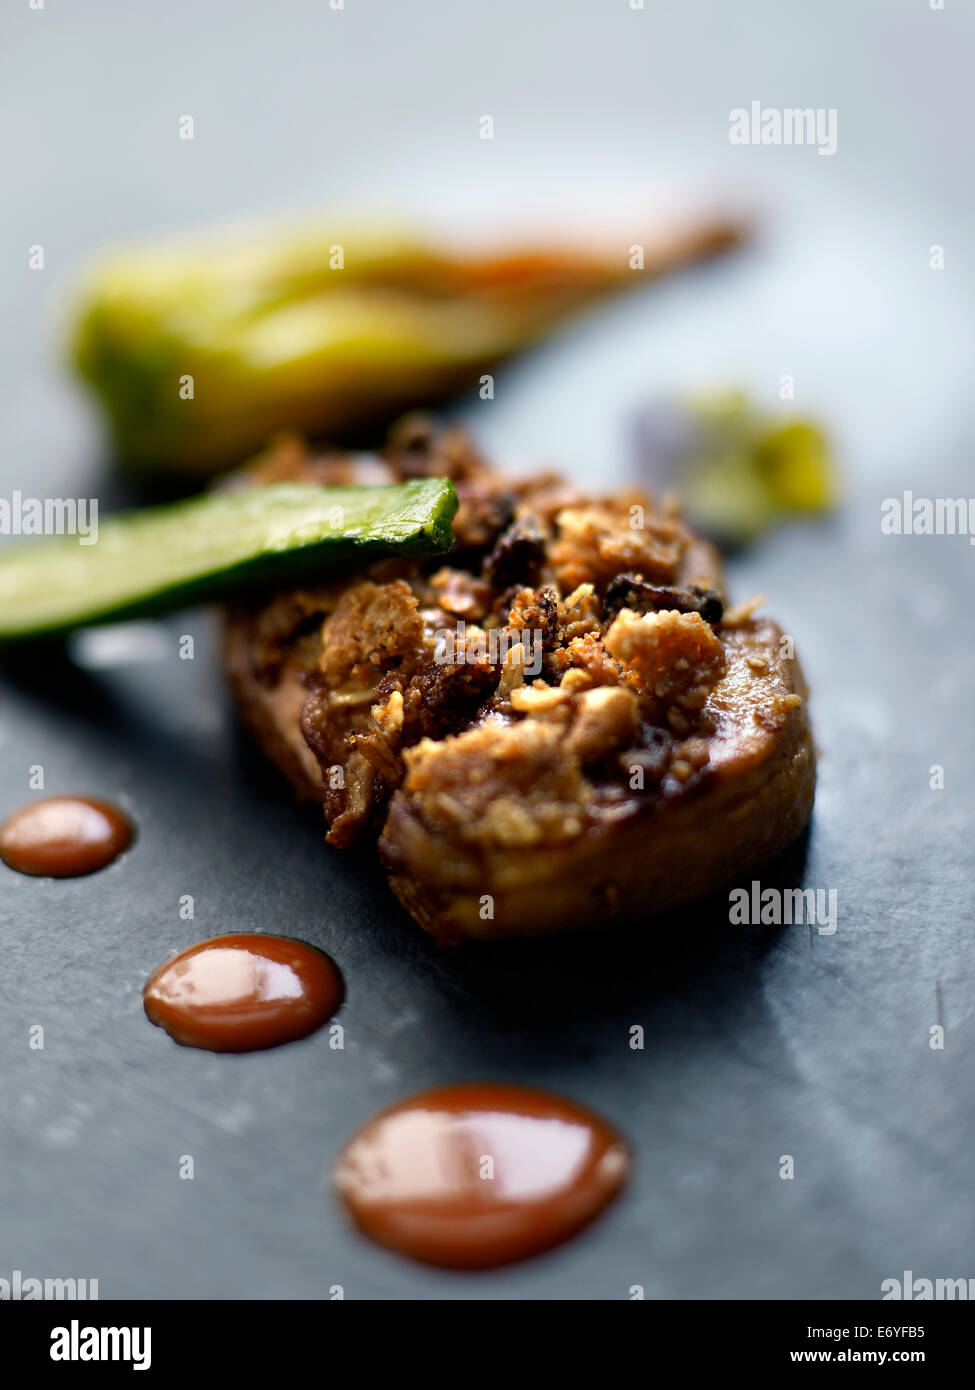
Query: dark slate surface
x=757, y=1043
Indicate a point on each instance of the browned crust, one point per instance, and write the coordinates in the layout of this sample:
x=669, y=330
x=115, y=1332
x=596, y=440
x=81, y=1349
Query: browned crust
x=272, y=713
x=505, y=812
x=755, y=803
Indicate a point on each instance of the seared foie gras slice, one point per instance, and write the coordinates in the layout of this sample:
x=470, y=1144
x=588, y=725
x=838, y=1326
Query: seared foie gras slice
x=557, y=724
x=501, y=833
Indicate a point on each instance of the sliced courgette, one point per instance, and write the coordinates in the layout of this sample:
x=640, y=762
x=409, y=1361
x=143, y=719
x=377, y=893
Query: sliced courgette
x=212, y=547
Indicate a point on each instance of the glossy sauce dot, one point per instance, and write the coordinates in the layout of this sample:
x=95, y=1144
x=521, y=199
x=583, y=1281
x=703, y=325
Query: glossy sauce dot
x=243, y=992
x=64, y=836
x=479, y=1174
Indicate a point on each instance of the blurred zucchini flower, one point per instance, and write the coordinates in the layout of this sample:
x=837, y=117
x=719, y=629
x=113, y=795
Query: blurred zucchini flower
x=199, y=352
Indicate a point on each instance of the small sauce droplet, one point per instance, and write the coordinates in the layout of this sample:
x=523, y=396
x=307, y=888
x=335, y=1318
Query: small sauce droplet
x=243, y=992
x=479, y=1174
x=64, y=836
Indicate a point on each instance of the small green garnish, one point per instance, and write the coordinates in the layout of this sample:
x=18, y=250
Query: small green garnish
x=738, y=468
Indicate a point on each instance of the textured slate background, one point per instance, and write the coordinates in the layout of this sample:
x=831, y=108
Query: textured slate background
x=757, y=1044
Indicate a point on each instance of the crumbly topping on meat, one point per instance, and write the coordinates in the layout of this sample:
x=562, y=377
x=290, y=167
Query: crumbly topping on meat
x=552, y=671
x=675, y=657
x=596, y=542
x=374, y=627
x=509, y=785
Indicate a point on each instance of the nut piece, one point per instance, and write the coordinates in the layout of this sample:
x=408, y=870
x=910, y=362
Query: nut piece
x=605, y=718
x=676, y=656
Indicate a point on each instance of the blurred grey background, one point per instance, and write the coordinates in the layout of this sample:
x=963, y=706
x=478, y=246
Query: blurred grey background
x=816, y=1046
x=299, y=107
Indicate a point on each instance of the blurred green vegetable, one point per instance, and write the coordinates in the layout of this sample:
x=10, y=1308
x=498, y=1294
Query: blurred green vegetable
x=199, y=353
x=738, y=469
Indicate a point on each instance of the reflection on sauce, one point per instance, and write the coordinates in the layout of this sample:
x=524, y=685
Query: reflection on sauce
x=479, y=1174
x=243, y=992
x=63, y=836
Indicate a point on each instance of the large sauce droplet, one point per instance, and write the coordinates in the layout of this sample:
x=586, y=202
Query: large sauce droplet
x=64, y=836
x=244, y=992
x=479, y=1174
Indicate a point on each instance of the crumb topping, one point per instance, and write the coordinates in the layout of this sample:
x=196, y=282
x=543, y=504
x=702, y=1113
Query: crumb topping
x=555, y=670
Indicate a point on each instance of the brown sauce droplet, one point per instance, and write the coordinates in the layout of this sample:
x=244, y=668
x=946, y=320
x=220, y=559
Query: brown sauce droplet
x=64, y=836
x=244, y=992
x=479, y=1174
